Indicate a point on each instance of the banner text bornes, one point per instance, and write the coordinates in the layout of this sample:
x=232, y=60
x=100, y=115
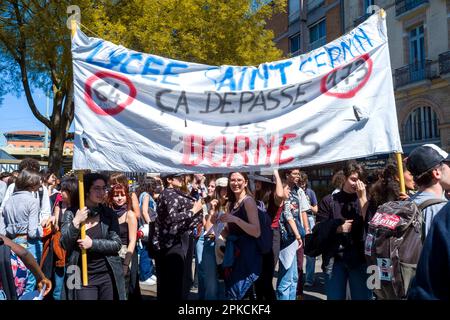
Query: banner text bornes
x=243, y=150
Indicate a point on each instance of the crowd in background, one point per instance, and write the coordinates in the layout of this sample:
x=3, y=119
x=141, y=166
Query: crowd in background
x=241, y=231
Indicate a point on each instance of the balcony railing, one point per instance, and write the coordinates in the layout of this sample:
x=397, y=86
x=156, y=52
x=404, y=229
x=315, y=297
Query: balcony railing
x=413, y=72
x=402, y=6
x=361, y=19
x=314, y=4
x=444, y=62
x=317, y=44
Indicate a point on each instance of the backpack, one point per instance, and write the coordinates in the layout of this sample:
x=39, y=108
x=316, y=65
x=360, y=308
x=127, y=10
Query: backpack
x=394, y=244
x=265, y=240
x=287, y=235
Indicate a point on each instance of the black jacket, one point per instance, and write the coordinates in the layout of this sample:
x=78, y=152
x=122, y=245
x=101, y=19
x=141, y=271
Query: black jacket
x=109, y=246
x=321, y=239
x=333, y=211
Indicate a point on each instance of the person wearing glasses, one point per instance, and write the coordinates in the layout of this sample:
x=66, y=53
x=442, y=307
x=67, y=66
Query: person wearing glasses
x=102, y=244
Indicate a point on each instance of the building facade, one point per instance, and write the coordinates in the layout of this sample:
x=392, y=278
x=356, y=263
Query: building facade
x=23, y=144
x=419, y=43
x=418, y=32
x=307, y=24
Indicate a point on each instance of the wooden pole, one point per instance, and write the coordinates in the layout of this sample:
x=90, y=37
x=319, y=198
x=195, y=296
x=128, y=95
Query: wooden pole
x=398, y=156
x=84, y=274
x=83, y=228
x=73, y=25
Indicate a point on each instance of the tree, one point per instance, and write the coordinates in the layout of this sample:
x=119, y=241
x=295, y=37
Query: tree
x=35, y=42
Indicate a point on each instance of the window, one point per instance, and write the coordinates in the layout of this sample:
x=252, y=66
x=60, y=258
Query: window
x=294, y=45
x=416, y=54
x=317, y=35
x=294, y=10
x=416, y=46
x=421, y=125
x=367, y=4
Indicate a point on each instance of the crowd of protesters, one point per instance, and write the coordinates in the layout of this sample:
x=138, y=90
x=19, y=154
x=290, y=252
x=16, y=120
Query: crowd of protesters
x=154, y=234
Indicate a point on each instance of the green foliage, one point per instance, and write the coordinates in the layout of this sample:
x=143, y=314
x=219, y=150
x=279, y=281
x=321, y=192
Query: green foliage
x=204, y=31
x=35, y=42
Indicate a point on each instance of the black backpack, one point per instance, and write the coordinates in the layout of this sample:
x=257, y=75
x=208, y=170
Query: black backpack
x=394, y=244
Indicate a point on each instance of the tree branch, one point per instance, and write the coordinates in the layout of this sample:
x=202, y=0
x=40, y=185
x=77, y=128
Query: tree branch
x=28, y=95
x=23, y=70
x=53, y=74
x=68, y=107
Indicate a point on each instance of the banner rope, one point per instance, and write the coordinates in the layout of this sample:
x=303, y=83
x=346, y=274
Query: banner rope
x=86, y=28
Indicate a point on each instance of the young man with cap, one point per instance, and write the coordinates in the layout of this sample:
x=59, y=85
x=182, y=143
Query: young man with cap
x=429, y=166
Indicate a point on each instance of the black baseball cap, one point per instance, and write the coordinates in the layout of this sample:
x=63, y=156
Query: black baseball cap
x=424, y=158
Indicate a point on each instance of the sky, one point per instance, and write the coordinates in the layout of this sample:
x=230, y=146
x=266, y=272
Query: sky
x=15, y=114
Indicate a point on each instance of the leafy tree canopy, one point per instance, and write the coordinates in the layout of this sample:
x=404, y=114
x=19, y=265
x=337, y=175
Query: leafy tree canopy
x=35, y=42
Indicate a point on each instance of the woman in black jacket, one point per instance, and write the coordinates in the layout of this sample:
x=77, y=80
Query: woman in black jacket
x=102, y=244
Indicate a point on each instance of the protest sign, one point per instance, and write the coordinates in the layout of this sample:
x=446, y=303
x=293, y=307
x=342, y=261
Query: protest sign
x=137, y=112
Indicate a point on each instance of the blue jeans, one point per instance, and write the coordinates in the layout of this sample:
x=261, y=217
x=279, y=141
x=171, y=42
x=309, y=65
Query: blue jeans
x=287, y=281
x=337, y=275
x=34, y=246
x=145, y=263
x=208, y=283
x=310, y=261
x=59, y=274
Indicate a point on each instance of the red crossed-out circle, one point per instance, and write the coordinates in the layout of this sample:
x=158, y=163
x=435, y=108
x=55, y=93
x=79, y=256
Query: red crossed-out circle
x=351, y=93
x=110, y=111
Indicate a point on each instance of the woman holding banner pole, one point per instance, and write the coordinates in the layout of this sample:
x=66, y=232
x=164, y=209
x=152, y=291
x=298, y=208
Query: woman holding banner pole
x=102, y=244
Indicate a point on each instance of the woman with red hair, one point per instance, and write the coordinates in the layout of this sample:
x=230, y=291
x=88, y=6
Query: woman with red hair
x=120, y=202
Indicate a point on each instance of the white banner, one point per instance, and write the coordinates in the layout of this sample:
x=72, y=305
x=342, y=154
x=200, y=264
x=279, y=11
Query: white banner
x=138, y=112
